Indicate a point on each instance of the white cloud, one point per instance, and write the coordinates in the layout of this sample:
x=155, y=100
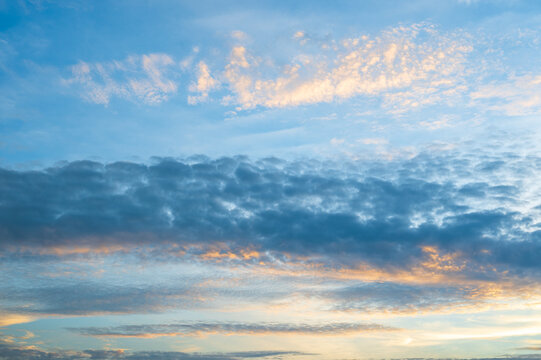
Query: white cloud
x=299, y=34
x=205, y=83
x=517, y=96
x=407, y=67
x=137, y=78
x=404, y=68
x=374, y=141
x=239, y=35
x=187, y=62
x=336, y=141
x=467, y=2
x=154, y=87
x=440, y=123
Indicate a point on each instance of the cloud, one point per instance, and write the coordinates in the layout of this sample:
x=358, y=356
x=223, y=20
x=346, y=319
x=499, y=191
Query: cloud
x=516, y=96
x=84, y=298
x=335, y=141
x=7, y=319
x=404, y=67
x=239, y=35
x=206, y=328
x=407, y=67
x=382, y=297
x=10, y=352
x=205, y=83
x=374, y=141
x=335, y=215
x=459, y=229
x=145, y=78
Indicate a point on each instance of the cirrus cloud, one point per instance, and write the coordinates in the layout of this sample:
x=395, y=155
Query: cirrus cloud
x=144, y=78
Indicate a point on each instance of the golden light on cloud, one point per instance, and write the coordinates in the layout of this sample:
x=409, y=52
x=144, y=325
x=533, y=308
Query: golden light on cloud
x=407, y=72
x=8, y=319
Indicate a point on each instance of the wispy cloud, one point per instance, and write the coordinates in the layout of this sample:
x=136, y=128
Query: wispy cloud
x=8, y=319
x=516, y=96
x=206, y=328
x=94, y=298
x=11, y=352
x=145, y=78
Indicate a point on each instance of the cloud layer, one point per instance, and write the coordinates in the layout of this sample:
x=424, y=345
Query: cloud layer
x=433, y=233
x=232, y=208
x=10, y=352
x=203, y=329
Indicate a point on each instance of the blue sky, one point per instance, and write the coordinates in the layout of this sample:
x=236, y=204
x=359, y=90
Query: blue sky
x=286, y=180
x=118, y=110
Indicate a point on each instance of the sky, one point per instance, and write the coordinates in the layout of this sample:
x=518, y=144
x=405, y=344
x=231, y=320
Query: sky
x=277, y=180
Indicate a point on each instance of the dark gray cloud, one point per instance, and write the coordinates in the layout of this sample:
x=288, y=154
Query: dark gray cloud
x=381, y=213
x=203, y=328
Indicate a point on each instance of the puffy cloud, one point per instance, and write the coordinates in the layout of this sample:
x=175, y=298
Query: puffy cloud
x=205, y=83
x=339, y=215
x=406, y=66
x=460, y=229
x=143, y=78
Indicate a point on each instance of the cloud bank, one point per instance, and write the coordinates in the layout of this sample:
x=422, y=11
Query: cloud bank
x=445, y=232
x=337, y=212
